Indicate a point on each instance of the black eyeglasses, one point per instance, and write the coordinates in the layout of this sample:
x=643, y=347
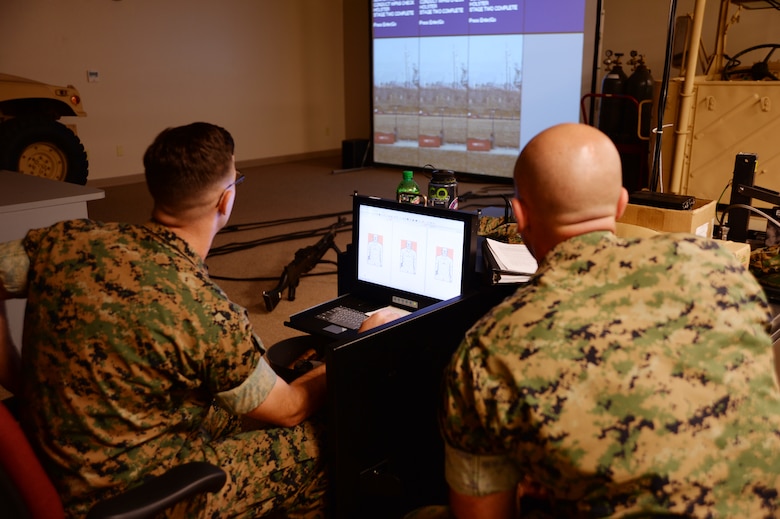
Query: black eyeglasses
x=240, y=177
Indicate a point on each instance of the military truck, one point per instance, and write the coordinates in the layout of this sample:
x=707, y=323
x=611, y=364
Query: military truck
x=725, y=111
x=32, y=138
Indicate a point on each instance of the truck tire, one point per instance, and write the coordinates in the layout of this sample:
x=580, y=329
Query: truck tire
x=43, y=147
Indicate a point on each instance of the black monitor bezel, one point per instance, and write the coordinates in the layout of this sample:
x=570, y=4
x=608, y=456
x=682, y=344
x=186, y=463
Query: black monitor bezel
x=470, y=222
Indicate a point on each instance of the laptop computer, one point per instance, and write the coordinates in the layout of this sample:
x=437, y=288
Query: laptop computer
x=405, y=256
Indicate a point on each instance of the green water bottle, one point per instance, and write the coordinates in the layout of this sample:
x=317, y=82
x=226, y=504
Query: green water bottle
x=408, y=191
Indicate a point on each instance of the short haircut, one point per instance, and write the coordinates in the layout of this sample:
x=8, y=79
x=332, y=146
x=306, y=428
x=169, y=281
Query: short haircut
x=184, y=162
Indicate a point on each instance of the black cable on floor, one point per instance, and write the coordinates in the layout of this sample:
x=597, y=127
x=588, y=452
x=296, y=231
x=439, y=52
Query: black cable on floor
x=232, y=247
x=276, y=278
x=270, y=223
x=229, y=248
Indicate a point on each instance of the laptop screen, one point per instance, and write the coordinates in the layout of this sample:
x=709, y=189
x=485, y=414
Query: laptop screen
x=423, y=251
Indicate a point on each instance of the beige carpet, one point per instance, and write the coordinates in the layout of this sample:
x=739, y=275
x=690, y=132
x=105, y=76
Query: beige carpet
x=302, y=191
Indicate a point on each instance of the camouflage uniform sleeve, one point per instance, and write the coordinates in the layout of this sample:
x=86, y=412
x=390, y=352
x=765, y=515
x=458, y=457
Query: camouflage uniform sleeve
x=477, y=462
x=14, y=266
x=252, y=392
x=478, y=475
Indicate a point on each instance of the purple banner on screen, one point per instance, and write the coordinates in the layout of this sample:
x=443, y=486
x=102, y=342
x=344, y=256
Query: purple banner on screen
x=443, y=17
x=395, y=18
x=545, y=16
x=496, y=17
x=409, y=18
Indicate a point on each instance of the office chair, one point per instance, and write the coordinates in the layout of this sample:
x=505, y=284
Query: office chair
x=26, y=491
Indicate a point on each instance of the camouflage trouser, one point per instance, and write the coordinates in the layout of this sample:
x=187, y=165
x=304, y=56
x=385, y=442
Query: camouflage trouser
x=268, y=470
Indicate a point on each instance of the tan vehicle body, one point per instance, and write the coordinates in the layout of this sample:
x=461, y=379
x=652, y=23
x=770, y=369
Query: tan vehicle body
x=32, y=138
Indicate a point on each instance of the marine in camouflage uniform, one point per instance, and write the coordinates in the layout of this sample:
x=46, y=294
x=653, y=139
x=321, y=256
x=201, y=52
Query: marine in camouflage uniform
x=499, y=228
x=628, y=375
x=765, y=266
x=134, y=362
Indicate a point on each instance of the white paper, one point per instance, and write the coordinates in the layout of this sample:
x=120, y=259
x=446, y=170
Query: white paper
x=514, y=260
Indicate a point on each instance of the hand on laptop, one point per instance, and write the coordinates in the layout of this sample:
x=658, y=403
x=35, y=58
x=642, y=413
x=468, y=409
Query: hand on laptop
x=380, y=317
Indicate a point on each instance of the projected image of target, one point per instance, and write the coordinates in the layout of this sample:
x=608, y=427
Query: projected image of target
x=463, y=85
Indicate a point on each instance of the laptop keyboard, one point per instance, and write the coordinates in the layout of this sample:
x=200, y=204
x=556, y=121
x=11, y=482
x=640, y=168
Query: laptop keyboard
x=344, y=316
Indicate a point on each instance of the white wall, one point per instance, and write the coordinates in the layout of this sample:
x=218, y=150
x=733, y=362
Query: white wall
x=270, y=71
x=642, y=25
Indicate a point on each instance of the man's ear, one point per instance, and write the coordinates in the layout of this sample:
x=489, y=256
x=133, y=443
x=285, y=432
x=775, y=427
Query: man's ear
x=518, y=209
x=225, y=205
x=622, y=203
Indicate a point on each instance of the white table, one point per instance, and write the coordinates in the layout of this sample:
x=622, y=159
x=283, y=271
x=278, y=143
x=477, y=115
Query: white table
x=29, y=202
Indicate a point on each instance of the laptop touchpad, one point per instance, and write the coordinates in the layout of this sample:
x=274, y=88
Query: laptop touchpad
x=334, y=328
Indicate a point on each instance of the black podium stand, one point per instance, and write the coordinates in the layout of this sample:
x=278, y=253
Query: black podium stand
x=385, y=452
